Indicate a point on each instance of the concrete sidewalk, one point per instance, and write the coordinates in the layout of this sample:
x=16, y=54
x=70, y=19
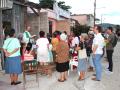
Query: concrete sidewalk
x=109, y=82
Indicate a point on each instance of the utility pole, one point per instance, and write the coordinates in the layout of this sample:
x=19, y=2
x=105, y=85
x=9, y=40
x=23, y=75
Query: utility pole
x=94, y=11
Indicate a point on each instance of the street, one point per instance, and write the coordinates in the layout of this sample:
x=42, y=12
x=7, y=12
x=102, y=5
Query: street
x=108, y=82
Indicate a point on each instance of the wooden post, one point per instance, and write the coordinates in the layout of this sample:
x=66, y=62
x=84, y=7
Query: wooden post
x=1, y=39
x=94, y=11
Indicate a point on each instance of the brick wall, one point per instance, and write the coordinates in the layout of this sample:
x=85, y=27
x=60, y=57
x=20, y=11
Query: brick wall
x=63, y=25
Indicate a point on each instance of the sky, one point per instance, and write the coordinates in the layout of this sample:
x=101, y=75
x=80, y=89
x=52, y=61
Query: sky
x=106, y=10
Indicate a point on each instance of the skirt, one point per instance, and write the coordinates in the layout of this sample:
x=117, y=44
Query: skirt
x=13, y=65
x=62, y=67
x=42, y=56
x=82, y=65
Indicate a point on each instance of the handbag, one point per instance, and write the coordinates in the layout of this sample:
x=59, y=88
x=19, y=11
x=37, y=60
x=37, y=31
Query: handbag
x=82, y=54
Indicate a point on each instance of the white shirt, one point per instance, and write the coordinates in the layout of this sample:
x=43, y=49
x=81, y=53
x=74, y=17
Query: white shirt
x=75, y=41
x=99, y=41
x=42, y=45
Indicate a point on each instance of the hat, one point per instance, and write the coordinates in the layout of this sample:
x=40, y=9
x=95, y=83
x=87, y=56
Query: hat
x=63, y=37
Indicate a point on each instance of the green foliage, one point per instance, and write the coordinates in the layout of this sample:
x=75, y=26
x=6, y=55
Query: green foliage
x=62, y=5
x=47, y=3
x=117, y=29
x=78, y=29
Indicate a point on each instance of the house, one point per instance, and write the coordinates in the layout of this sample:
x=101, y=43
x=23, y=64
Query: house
x=50, y=20
x=13, y=14
x=84, y=19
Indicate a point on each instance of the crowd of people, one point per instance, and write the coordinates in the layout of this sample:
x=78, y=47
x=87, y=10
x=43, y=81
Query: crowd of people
x=59, y=48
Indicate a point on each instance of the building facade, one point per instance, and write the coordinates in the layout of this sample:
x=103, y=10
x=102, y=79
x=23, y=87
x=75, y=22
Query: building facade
x=84, y=19
x=51, y=20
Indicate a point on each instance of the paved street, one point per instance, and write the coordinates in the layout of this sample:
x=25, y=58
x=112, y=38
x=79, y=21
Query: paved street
x=109, y=82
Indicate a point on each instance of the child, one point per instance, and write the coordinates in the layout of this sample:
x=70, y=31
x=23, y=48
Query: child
x=82, y=58
x=27, y=53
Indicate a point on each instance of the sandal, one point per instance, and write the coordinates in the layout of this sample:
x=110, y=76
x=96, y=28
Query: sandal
x=61, y=80
x=95, y=79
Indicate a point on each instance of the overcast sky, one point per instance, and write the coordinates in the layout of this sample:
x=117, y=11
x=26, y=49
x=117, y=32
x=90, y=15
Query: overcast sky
x=108, y=10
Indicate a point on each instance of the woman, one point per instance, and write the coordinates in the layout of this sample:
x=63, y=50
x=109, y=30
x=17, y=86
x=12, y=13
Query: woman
x=11, y=49
x=62, y=59
x=54, y=43
x=42, y=49
x=82, y=58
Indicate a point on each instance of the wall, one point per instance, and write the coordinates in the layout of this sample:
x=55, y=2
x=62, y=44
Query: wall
x=33, y=21
x=38, y=23
x=18, y=18
x=82, y=19
x=54, y=23
x=63, y=25
x=44, y=23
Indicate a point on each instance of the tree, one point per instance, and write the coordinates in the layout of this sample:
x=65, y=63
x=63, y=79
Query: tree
x=62, y=5
x=78, y=29
x=47, y=3
x=118, y=30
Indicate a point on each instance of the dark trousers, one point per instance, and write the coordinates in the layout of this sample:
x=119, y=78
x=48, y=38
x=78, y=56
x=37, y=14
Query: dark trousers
x=110, y=61
x=54, y=56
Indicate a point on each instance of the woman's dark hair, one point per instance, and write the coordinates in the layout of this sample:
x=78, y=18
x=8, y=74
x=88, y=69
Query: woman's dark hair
x=29, y=46
x=99, y=28
x=65, y=32
x=11, y=32
x=110, y=28
x=54, y=35
x=42, y=33
x=49, y=36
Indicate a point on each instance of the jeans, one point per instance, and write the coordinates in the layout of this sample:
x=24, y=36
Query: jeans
x=91, y=60
x=98, y=67
x=110, y=61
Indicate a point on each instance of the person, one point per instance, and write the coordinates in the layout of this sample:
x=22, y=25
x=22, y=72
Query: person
x=62, y=59
x=42, y=49
x=50, y=52
x=89, y=51
x=27, y=36
x=27, y=52
x=11, y=49
x=82, y=58
x=97, y=49
x=110, y=48
x=54, y=43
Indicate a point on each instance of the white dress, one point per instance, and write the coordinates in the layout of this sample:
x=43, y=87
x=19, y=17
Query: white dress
x=42, y=50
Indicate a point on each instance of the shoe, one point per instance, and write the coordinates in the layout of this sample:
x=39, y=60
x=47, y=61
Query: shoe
x=95, y=79
x=12, y=83
x=80, y=79
x=90, y=69
x=107, y=69
x=109, y=72
x=60, y=80
x=94, y=74
x=18, y=82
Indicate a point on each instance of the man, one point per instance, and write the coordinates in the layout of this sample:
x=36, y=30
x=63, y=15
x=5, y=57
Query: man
x=97, y=49
x=27, y=36
x=110, y=48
